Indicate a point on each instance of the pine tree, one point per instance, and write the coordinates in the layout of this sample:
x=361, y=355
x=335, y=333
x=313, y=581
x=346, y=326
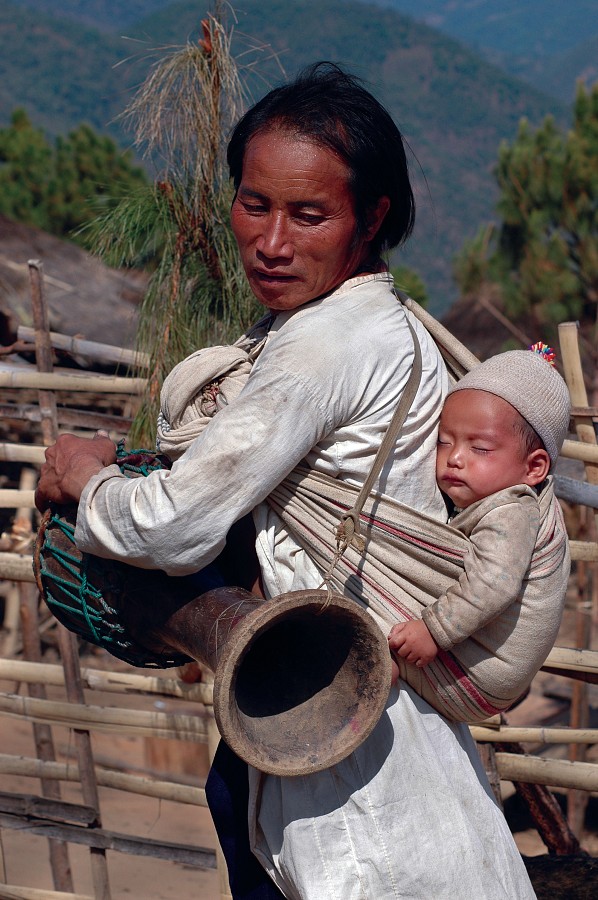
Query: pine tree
x=543, y=255
x=26, y=166
x=60, y=187
x=198, y=294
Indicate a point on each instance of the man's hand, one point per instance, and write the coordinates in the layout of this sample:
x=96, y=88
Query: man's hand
x=413, y=642
x=69, y=465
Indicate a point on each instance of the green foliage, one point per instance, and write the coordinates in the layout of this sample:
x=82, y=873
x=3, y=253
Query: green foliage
x=25, y=170
x=409, y=281
x=198, y=294
x=60, y=187
x=544, y=254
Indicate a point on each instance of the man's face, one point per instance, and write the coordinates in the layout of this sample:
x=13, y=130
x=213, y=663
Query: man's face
x=294, y=220
x=479, y=450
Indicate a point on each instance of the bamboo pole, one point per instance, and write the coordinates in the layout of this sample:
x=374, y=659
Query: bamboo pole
x=11, y=631
x=89, y=786
x=42, y=733
x=24, y=453
x=562, y=773
x=11, y=498
x=456, y=351
x=110, y=720
x=67, y=640
x=101, y=839
x=75, y=381
x=102, y=680
x=70, y=418
x=579, y=715
x=567, y=657
x=133, y=784
x=568, y=336
x=14, y=567
x=570, y=667
x=581, y=451
x=551, y=824
x=43, y=351
x=90, y=349
x=14, y=892
x=584, y=551
x=536, y=734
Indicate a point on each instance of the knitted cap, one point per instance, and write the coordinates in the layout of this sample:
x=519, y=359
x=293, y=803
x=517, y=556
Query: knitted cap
x=530, y=384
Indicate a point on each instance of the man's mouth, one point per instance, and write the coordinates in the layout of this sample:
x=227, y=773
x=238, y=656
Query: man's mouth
x=273, y=277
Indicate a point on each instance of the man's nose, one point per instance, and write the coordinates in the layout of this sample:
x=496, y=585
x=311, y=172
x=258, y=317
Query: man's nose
x=274, y=241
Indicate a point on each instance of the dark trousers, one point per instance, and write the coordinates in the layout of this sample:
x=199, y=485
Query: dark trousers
x=227, y=793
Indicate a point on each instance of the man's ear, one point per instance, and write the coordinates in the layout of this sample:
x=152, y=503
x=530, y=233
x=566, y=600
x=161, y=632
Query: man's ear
x=376, y=216
x=538, y=466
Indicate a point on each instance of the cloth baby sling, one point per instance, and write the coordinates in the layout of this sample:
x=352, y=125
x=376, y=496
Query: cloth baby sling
x=390, y=558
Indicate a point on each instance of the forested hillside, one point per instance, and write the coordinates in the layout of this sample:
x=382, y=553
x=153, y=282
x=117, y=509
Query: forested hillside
x=453, y=107
x=549, y=43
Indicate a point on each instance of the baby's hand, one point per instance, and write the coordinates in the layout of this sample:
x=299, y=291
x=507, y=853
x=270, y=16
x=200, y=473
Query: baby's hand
x=413, y=642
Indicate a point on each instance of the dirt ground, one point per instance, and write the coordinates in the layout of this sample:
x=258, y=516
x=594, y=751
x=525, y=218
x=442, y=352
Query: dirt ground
x=25, y=856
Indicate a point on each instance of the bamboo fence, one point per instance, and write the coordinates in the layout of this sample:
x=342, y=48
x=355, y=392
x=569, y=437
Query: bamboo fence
x=500, y=743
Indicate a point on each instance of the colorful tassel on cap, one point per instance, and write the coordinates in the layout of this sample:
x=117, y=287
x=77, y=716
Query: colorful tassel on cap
x=544, y=351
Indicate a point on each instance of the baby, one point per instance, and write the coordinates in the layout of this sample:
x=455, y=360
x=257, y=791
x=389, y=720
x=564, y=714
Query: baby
x=501, y=430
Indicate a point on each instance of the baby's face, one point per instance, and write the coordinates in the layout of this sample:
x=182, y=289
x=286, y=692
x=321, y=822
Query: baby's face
x=479, y=450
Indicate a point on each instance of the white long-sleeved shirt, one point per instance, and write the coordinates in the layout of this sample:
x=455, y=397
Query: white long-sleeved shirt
x=323, y=389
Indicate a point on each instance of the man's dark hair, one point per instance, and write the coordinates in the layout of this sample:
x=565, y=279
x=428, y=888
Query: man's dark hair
x=331, y=108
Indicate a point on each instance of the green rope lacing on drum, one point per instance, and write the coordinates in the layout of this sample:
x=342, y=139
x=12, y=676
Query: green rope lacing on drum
x=81, y=593
x=79, y=605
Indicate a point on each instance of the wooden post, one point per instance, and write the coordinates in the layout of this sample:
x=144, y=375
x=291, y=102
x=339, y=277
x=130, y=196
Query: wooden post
x=42, y=734
x=568, y=336
x=67, y=641
x=43, y=351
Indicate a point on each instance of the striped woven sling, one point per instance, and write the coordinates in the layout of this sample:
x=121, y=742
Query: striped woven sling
x=392, y=559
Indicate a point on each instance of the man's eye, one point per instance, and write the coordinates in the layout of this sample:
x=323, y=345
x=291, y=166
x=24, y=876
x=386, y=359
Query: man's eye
x=310, y=218
x=253, y=208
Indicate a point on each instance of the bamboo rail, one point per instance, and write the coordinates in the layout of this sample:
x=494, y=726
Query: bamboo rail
x=34, y=453
x=69, y=418
x=25, y=453
x=581, y=776
x=102, y=680
x=579, y=715
x=586, y=551
x=99, y=839
x=14, y=567
x=534, y=734
x=90, y=349
x=13, y=498
x=133, y=784
x=15, y=892
x=581, y=451
x=105, y=719
x=74, y=381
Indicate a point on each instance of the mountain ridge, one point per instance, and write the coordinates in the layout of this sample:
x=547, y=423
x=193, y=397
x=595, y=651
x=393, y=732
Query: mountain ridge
x=452, y=106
